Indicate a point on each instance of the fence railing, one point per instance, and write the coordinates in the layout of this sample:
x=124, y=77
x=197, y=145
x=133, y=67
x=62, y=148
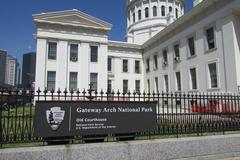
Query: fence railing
x=177, y=113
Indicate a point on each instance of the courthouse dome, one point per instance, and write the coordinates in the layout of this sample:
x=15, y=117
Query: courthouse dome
x=145, y=18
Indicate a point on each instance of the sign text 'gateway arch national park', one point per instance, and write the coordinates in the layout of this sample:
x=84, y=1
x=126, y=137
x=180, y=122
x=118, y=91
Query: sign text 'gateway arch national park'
x=64, y=118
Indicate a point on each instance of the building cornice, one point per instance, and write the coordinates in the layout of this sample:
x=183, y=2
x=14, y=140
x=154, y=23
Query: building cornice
x=109, y=43
x=131, y=27
x=124, y=45
x=72, y=24
x=68, y=39
x=82, y=34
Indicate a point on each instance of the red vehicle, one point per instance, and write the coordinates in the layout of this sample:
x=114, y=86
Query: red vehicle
x=215, y=106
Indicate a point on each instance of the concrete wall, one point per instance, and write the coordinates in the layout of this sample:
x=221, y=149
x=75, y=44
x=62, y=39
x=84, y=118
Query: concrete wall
x=204, y=148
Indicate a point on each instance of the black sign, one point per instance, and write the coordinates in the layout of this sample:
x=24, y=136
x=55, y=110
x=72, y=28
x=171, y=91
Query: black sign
x=56, y=119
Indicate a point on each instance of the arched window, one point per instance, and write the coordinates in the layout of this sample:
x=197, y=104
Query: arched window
x=133, y=18
x=170, y=9
x=146, y=12
x=163, y=10
x=129, y=17
x=176, y=12
x=139, y=14
x=154, y=11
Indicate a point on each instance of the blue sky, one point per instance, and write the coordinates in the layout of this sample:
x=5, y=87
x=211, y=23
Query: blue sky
x=17, y=27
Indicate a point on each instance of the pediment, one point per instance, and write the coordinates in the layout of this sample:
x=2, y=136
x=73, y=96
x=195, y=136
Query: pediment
x=72, y=17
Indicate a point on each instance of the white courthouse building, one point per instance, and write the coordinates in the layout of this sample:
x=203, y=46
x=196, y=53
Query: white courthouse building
x=165, y=49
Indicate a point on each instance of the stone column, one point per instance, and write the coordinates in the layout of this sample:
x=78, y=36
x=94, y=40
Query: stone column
x=150, y=9
x=158, y=8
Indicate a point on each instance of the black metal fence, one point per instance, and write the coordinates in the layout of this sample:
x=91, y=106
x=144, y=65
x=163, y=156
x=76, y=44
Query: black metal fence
x=177, y=113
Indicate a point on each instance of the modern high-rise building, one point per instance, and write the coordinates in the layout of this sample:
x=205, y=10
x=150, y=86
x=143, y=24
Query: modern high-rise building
x=12, y=71
x=28, y=69
x=18, y=75
x=3, y=58
x=9, y=70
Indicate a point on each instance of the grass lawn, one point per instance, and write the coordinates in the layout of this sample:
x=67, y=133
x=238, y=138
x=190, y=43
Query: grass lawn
x=17, y=123
x=20, y=111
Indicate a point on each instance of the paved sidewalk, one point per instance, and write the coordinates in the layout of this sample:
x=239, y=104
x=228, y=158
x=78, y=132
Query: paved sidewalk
x=236, y=158
x=220, y=147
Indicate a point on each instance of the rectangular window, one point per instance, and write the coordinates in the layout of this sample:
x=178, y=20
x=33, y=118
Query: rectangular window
x=52, y=50
x=147, y=65
x=73, y=78
x=213, y=75
x=156, y=84
x=139, y=14
x=137, y=86
x=165, y=58
x=51, y=80
x=210, y=38
x=109, y=86
x=166, y=83
x=177, y=53
x=155, y=62
x=74, y=52
x=134, y=18
x=148, y=85
x=125, y=65
x=94, y=53
x=137, y=66
x=109, y=64
x=178, y=81
x=193, y=75
x=176, y=12
x=125, y=86
x=191, y=46
x=93, y=80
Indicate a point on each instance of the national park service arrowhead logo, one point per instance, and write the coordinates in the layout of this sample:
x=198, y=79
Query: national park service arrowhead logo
x=55, y=116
